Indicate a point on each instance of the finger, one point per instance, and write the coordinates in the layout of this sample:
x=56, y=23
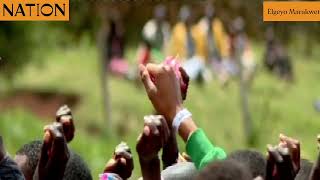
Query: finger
x=147, y=82
x=154, y=69
x=274, y=154
x=123, y=161
x=153, y=124
x=44, y=156
x=292, y=143
x=184, y=83
x=186, y=157
x=110, y=166
x=185, y=77
x=123, y=154
x=146, y=131
x=68, y=127
x=63, y=110
x=154, y=131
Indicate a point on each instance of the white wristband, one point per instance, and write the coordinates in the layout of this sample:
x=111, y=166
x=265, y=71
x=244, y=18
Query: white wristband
x=179, y=118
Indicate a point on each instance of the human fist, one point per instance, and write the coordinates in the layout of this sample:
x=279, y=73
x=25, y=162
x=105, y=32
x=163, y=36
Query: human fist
x=283, y=162
x=64, y=116
x=279, y=164
x=121, y=163
x=163, y=89
x=54, y=154
x=293, y=146
x=155, y=135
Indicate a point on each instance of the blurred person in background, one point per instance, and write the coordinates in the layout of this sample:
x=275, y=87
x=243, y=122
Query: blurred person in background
x=241, y=54
x=214, y=45
x=276, y=58
x=115, y=44
x=185, y=42
x=156, y=32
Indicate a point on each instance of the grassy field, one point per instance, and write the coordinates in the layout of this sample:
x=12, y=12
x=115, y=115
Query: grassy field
x=275, y=106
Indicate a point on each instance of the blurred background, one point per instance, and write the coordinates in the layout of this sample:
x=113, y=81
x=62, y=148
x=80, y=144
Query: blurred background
x=250, y=80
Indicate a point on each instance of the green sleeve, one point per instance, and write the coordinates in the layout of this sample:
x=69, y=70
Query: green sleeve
x=202, y=151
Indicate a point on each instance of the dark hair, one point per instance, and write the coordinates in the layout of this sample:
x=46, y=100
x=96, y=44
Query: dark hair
x=225, y=170
x=10, y=170
x=32, y=152
x=305, y=170
x=76, y=168
x=254, y=160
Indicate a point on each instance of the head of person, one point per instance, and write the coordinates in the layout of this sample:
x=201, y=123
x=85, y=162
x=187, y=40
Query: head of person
x=160, y=12
x=269, y=33
x=27, y=158
x=179, y=171
x=209, y=10
x=224, y=170
x=253, y=160
x=237, y=26
x=305, y=170
x=185, y=14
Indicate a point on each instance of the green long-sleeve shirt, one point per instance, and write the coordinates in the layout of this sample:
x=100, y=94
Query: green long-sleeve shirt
x=201, y=150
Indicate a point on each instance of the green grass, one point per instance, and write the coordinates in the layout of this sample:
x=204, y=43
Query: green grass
x=275, y=106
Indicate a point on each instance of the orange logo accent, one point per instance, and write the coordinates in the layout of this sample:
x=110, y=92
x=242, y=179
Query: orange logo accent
x=291, y=11
x=34, y=10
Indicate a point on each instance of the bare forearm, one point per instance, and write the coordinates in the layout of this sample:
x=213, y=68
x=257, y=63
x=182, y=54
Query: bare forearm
x=187, y=128
x=150, y=169
x=170, y=152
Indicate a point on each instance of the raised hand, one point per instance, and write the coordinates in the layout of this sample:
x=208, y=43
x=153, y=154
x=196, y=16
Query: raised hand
x=121, y=163
x=54, y=154
x=279, y=164
x=283, y=160
x=294, y=149
x=163, y=89
x=155, y=135
x=64, y=116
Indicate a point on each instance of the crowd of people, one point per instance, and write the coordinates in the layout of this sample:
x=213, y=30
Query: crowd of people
x=166, y=86
x=208, y=48
x=204, y=47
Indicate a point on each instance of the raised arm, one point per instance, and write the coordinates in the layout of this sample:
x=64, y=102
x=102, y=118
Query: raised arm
x=155, y=135
x=120, y=165
x=163, y=89
x=54, y=154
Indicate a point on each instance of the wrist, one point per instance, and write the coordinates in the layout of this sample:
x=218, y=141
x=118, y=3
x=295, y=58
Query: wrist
x=148, y=161
x=187, y=128
x=173, y=113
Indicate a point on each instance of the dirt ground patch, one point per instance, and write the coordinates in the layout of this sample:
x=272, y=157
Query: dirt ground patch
x=42, y=103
